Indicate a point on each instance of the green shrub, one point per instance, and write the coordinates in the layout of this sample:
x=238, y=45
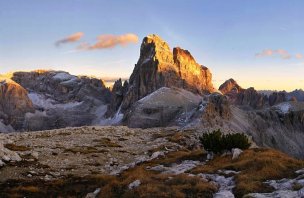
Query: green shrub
x=212, y=141
x=218, y=142
x=236, y=140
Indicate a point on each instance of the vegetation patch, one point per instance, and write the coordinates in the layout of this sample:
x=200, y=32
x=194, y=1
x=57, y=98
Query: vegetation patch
x=217, y=142
x=14, y=147
x=106, y=142
x=85, y=150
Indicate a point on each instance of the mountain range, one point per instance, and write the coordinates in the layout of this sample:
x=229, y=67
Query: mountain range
x=167, y=88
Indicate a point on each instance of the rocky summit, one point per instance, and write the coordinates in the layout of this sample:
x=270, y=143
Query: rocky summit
x=158, y=66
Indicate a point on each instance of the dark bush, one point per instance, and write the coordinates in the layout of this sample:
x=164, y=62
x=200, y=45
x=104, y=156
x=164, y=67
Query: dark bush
x=235, y=140
x=212, y=141
x=218, y=142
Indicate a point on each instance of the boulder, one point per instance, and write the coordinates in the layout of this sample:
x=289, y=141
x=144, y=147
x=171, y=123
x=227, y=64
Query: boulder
x=134, y=184
x=236, y=152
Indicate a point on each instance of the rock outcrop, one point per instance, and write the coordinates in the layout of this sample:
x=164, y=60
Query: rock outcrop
x=164, y=107
x=159, y=67
x=14, y=103
x=251, y=98
x=119, y=91
x=298, y=94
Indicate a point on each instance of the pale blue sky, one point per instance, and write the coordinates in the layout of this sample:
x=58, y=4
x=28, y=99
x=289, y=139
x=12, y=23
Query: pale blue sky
x=223, y=35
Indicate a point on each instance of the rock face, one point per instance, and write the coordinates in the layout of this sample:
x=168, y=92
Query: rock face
x=118, y=93
x=14, y=103
x=280, y=127
x=217, y=105
x=250, y=98
x=61, y=99
x=161, y=108
x=159, y=67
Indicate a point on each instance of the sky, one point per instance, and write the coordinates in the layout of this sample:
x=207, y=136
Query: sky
x=258, y=43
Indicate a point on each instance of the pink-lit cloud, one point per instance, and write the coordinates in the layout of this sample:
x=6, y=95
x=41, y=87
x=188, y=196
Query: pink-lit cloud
x=284, y=54
x=299, y=56
x=105, y=41
x=70, y=39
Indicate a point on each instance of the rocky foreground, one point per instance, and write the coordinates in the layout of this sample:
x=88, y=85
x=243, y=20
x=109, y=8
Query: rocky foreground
x=123, y=162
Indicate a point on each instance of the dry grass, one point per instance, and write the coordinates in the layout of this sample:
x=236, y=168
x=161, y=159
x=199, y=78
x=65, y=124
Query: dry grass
x=178, y=138
x=181, y=155
x=28, y=189
x=256, y=166
x=85, y=150
x=106, y=142
x=14, y=147
x=154, y=184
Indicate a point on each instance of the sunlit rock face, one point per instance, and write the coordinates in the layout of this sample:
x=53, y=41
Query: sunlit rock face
x=230, y=86
x=158, y=66
x=195, y=77
x=14, y=103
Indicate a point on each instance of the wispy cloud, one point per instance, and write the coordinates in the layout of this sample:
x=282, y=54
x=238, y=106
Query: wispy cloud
x=299, y=56
x=105, y=41
x=284, y=54
x=70, y=39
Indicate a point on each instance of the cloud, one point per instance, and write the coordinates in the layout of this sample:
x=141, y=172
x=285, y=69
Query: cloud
x=70, y=39
x=299, y=56
x=284, y=54
x=105, y=41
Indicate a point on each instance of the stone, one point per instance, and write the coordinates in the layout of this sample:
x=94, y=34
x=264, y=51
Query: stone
x=210, y=156
x=301, y=192
x=157, y=154
x=236, y=152
x=93, y=194
x=2, y=163
x=224, y=194
x=134, y=184
x=35, y=154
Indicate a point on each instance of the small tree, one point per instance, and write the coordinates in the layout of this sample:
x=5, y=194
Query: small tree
x=212, y=141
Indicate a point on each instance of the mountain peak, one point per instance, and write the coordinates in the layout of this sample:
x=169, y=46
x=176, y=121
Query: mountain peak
x=230, y=85
x=158, y=67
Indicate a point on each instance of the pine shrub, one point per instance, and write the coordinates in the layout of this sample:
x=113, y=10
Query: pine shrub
x=218, y=142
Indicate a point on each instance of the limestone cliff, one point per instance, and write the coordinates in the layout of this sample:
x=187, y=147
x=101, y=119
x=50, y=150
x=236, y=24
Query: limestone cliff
x=158, y=66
